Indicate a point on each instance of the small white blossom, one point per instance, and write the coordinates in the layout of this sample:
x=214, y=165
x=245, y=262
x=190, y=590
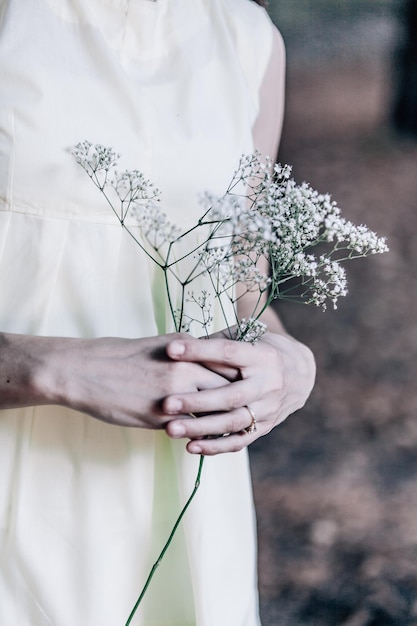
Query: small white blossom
x=132, y=186
x=94, y=158
x=264, y=212
x=199, y=306
x=250, y=330
x=154, y=224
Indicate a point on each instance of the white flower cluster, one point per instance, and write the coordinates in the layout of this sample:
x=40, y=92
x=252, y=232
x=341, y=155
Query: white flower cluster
x=137, y=196
x=243, y=229
x=204, y=318
x=250, y=330
x=154, y=224
x=95, y=158
x=264, y=213
x=241, y=270
x=132, y=186
x=285, y=221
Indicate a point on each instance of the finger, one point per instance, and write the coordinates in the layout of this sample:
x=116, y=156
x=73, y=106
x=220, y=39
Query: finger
x=206, y=378
x=226, y=371
x=226, y=352
x=212, y=425
x=230, y=372
x=230, y=443
x=177, y=351
x=224, y=398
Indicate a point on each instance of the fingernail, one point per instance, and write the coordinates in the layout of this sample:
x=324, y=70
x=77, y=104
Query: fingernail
x=177, y=430
x=173, y=405
x=194, y=448
x=176, y=348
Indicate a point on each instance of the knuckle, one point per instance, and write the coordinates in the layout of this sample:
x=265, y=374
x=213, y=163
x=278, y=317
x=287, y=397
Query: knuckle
x=169, y=387
x=181, y=370
x=229, y=350
x=171, y=380
x=179, y=377
x=234, y=398
x=274, y=360
x=235, y=425
x=193, y=403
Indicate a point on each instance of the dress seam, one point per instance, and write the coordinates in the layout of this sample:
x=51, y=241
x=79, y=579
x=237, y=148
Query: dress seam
x=105, y=220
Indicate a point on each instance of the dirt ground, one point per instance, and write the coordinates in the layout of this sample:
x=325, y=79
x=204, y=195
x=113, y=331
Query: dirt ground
x=336, y=484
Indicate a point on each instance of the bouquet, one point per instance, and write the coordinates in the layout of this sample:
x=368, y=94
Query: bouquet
x=264, y=213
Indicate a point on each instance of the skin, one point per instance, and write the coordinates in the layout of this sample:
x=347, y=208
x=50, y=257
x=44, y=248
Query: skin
x=273, y=377
x=157, y=382
x=118, y=381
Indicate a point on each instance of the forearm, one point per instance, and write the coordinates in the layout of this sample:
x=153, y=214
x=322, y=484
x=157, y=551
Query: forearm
x=23, y=371
x=116, y=380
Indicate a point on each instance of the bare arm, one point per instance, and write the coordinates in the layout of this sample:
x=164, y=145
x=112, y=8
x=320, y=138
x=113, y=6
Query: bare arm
x=119, y=381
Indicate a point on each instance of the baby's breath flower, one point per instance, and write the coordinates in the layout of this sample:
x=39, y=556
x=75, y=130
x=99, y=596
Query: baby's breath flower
x=154, y=224
x=204, y=317
x=132, y=186
x=264, y=212
x=216, y=258
x=250, y=330
x=243, y=270
x=94, y=158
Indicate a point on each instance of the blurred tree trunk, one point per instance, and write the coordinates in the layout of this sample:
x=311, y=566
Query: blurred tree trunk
x=405, y=106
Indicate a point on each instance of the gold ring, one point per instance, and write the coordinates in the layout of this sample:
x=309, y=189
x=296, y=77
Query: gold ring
x=252, y=427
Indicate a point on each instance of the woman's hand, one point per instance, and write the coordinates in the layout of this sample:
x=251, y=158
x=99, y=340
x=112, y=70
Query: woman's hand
x=119, y=381
x=274, y=377
x=148, y=382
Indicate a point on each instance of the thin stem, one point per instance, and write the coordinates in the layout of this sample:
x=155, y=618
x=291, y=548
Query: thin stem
x=219, y=299
x=168, y=294
x=167, y=544
x=190, y=253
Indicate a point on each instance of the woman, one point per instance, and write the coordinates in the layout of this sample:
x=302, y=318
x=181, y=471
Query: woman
x=181, y=89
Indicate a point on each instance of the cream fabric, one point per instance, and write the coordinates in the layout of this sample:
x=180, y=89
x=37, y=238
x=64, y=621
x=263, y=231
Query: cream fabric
x=85, y=507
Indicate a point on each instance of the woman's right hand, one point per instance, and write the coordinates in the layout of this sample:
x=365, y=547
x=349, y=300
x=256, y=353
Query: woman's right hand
x=118, y=381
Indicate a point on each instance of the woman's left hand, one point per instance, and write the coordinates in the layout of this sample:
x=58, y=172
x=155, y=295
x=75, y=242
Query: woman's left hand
x=274, y=377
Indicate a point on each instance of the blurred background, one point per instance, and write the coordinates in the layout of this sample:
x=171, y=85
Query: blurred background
x=336, y=484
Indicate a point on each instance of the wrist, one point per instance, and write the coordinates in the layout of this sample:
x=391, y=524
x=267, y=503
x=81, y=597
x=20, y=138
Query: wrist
x=27, y=377
x=300, y=368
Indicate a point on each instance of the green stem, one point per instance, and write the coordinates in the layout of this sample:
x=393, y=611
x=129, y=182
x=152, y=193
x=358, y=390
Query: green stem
x=171, y=306
x=167, y=544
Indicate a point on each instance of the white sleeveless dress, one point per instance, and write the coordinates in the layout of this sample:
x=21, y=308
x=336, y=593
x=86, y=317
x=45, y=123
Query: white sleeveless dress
x=85, y=507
